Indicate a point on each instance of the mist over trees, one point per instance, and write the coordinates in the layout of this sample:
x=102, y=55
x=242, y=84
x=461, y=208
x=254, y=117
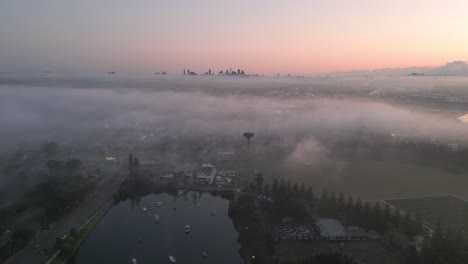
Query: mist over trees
x=102, y=110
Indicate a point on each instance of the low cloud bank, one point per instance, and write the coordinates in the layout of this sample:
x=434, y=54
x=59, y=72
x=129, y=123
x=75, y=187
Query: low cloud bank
x=37, y=114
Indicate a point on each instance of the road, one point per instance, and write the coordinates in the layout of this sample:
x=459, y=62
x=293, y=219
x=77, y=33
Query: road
x=31, y=255
x=79, y=216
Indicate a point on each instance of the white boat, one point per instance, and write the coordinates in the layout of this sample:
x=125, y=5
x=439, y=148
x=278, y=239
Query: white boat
x=156, y=218
x=134, y=261
x=144, y=209
x=213, y=212
x=158, y=204
x=187, y=228
x=172, y=259
x=204, y=254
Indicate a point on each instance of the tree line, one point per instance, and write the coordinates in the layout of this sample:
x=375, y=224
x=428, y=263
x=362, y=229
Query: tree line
x=444, y=246
x=329, y=204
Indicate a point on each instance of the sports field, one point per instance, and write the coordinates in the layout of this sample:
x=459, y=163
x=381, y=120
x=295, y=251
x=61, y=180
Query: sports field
x=370, y=180
x=451, y=211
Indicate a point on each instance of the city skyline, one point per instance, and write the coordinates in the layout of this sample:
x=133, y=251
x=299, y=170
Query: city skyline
x=264, y=37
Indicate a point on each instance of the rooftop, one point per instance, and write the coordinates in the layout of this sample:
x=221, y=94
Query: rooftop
x=330, y=227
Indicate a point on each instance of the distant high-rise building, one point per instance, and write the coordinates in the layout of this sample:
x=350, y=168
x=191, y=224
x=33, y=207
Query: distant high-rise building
x=238, y=71
x=209, y=71
x=184, y=71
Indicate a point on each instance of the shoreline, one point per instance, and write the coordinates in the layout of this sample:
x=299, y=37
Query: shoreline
x=83, y=232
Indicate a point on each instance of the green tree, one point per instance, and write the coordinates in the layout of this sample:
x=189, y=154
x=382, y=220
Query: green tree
x=459, y=247
x=67, y=250
x=252, y=187
x=310, y=194
x=333, y=201
x=303, y=191
x=349, y=204
x=366, y=214
x=376, y=220
x=282, y=188
x=438, y=233
x=296, y=189
x=130, y=165
x=259, y=181
x=50, y=149
x=324, y=196
x=387, y=212
x=418, y=225
x=22, y=235
x=341, y=202
x=266, y=189
x=136, y=166
x=397, y=218
x=275, y=187
x=73, y=233
x=407, y=224
x=358, y=207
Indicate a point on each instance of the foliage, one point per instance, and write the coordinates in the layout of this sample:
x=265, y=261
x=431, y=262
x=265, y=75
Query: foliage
x=325, y=258
x=18, y=239
x=137, y=187
x=253, y=237
x=443, y=247
x=50, y=148
x=56, y=195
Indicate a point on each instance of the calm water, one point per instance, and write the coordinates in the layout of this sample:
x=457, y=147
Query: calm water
x=115, y=238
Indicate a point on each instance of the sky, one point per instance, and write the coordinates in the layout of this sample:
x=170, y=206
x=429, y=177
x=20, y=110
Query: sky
x=259, y=36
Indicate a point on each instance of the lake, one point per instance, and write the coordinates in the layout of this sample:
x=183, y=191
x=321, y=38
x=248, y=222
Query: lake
x=116, y=238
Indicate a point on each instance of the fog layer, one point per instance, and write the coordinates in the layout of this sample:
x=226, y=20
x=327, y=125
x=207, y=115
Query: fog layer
x=30, y=114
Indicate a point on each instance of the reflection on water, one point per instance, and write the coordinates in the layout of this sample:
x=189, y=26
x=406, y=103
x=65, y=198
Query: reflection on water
x=116, y=239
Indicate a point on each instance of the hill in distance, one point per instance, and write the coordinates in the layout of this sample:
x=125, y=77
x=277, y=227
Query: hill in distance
x=455, y=68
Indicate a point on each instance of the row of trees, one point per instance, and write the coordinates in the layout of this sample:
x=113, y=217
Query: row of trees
x=443, y=247
x=61, y=189
x=133, y=166
x=17, y=240
x=352, y=212
x=257, y=244
x=324, y=258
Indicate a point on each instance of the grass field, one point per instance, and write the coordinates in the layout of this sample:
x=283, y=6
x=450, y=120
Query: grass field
x=451, y=211
x=371, y=180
